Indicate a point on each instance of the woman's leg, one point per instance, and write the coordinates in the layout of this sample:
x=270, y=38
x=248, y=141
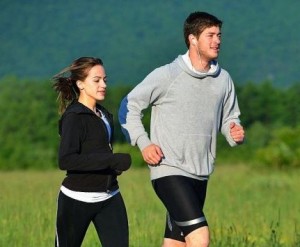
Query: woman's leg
x=72, y=221
x=111, y=223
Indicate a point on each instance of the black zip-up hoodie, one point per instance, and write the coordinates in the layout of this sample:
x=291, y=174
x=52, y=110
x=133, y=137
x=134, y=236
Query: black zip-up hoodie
x=85, y=151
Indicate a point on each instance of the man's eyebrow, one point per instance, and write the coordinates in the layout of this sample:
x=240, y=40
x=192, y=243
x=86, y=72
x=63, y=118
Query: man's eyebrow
x=218, y=33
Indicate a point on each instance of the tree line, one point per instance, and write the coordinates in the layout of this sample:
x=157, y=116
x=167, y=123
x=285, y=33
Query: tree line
x=29, y=130
x=142, y=31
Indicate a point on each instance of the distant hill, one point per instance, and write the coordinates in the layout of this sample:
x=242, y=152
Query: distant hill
x=38, y=38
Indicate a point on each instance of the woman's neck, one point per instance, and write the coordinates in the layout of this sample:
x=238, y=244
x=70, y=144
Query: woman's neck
x=91, y=104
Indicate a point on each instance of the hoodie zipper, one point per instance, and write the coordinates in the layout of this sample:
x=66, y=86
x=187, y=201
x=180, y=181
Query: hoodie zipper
x=109, y=177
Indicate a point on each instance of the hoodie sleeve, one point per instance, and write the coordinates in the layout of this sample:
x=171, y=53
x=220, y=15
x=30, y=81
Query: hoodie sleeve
x=148, y=92
x=70, y=156
x=231, y=112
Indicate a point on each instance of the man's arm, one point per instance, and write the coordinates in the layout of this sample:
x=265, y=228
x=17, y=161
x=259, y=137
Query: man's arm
x=152, y=154
x=149, y=92
x=237, y=133
x=231, y=127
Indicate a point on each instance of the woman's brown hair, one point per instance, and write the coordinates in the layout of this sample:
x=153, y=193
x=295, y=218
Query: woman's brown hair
x=65, y=81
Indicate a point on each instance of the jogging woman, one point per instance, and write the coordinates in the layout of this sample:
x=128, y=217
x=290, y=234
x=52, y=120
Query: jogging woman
x=90, y=191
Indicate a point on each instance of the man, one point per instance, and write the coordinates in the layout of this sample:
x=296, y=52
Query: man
x=192, y=99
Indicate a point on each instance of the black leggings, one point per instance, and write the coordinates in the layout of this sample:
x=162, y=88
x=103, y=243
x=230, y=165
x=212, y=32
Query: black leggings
x=184, y=199
x=109, y=218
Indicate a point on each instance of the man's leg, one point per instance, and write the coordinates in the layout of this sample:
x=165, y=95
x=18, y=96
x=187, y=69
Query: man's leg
x=184, y=199
x=198, y=237
x=168, y=242
x=173, y=234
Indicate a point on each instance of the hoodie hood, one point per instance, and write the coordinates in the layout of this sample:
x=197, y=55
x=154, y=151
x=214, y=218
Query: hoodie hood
x=78, y=108
x=185, y=63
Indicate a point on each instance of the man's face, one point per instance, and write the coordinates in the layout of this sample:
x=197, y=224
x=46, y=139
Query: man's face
x=209, y=43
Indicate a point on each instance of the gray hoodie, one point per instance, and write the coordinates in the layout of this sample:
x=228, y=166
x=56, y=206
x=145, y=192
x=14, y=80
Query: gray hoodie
x=188, y=110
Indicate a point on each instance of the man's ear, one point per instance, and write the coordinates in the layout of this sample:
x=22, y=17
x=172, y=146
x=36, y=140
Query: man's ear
x=79, y=85
x=192, y=39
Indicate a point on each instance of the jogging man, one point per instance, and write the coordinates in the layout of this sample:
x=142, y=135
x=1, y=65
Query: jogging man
x=192, y=99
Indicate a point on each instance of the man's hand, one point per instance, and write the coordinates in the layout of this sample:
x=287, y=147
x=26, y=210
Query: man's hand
x=237, y=132
x=152, y=154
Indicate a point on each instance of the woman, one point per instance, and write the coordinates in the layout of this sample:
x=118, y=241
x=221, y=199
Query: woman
x=89, y=192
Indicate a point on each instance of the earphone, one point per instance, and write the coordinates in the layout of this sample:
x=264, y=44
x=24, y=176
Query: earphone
x=194, y=42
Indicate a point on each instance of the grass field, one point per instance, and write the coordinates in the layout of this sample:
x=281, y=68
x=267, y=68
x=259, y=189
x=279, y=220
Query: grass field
x=244, y=207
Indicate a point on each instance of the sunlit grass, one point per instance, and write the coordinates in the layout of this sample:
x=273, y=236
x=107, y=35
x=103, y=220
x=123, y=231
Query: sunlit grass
x=244, y=207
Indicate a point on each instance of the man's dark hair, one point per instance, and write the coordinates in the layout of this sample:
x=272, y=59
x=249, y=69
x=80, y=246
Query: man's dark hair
x=196, y=22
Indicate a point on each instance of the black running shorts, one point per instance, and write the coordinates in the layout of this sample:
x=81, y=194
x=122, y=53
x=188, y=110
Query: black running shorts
x=184, y=199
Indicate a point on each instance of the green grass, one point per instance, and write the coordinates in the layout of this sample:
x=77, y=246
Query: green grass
x=244, y=207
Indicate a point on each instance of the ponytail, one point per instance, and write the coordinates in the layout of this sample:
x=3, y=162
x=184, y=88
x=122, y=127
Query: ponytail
x=67, y=91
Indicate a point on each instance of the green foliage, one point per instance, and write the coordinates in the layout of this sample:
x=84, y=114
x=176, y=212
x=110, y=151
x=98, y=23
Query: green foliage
x=257, y=136
x=273, y=147
x=28, y=124
x=136, y=156
x=29, y=136
x=283, y=149
x=269, y=105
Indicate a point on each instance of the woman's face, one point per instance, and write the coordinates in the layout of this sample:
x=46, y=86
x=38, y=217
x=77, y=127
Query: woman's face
x=93, y=88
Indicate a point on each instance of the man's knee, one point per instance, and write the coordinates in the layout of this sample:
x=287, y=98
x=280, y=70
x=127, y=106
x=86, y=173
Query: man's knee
x=198, y=238
x=173, y=243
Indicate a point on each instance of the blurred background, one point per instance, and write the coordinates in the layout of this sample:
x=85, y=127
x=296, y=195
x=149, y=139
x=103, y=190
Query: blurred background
x=256, y=184
x=260, y=49
x=38, y=38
